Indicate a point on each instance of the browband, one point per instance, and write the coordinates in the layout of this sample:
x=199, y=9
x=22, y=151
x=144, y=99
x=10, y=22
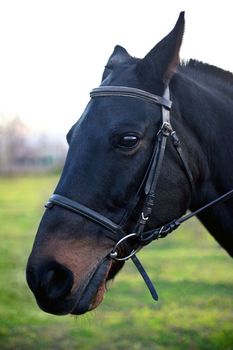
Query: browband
x=123, y=91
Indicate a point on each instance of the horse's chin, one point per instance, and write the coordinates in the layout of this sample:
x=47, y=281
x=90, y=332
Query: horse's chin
x=94, y=291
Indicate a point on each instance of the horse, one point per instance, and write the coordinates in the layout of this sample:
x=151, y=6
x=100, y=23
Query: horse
x=153, y=142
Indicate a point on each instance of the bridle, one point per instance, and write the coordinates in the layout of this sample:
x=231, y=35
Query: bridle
x=139, y=236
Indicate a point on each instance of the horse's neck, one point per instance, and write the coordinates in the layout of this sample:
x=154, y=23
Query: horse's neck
x=210, y=122
x=218, y=221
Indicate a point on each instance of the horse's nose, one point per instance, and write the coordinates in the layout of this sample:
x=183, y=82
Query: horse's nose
x=51, y=281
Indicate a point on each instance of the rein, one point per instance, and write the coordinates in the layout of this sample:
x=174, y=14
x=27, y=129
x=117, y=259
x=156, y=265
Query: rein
x=140, y=236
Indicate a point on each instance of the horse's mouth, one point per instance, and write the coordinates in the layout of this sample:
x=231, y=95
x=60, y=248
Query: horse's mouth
x=93, y=293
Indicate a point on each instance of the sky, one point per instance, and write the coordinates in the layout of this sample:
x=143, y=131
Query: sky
x=53, y=52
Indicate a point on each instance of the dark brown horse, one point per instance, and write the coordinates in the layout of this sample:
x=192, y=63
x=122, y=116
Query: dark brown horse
x=112, y=166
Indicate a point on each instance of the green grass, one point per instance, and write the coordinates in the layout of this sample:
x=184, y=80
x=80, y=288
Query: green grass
x=193, y=277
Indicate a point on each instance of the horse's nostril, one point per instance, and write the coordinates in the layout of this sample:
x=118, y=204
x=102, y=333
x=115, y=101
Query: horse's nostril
x=51, y=281
x=56, y=281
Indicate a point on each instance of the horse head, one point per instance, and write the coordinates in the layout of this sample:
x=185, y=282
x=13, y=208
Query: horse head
x=110, y=148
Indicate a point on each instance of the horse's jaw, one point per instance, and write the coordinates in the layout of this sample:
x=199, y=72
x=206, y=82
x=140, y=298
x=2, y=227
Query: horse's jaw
x=93, y=290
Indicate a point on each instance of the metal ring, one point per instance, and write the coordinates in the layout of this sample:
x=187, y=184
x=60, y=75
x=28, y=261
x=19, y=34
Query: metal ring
x=113, y=254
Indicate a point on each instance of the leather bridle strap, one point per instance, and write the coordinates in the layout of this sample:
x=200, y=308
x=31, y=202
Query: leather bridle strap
x=163, y=231
x=155, y=168
x=92, y=215
x=123, y=91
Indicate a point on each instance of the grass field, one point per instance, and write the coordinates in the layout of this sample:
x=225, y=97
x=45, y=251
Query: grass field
x=193, y=276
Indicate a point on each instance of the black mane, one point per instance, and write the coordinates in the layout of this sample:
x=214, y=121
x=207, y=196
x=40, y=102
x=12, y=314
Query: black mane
x=205, y=68
x=207, y=73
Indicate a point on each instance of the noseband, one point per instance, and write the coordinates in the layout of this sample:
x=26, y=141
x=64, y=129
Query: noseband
x=139, y=236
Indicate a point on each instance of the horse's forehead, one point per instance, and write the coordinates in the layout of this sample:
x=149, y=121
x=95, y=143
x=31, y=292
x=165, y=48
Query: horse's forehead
x=118, y=110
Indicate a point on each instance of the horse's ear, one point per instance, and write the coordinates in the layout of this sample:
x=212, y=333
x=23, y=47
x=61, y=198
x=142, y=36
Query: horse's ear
x=161, y=62
x=119, y=56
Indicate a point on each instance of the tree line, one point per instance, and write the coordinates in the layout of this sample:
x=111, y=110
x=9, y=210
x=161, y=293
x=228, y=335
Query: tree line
x=23, y=151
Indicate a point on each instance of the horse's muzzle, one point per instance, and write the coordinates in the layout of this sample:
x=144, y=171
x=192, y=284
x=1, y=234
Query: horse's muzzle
x=53, y=287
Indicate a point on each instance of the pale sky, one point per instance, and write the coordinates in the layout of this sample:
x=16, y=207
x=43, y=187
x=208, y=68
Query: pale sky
x=53, y=51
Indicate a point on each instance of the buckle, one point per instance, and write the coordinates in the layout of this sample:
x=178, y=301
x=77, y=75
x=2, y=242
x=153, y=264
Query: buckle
x=166, y=129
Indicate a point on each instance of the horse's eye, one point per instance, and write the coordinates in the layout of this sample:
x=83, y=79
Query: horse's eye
x=128, y=141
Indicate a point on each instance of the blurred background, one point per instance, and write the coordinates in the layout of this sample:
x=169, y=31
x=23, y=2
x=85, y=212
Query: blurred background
x=52, y=54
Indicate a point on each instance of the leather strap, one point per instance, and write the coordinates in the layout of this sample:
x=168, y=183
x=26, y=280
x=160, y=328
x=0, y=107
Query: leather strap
x=155, y=169
x=161, y=232
x=157, y=164
x=123, y=91
x=145, y=276
x=64, y=202
x=177, y=145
